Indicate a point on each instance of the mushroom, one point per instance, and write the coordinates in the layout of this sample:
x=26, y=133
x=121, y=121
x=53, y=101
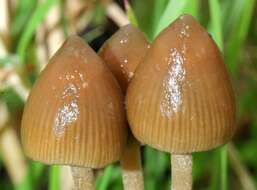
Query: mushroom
x=181, y=99
x=122, y=53
x=75, y=114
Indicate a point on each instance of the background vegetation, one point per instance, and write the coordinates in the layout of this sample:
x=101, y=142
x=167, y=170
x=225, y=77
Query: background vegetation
x=31, y=31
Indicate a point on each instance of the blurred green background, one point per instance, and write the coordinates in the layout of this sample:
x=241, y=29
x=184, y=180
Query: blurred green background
x=32, y=30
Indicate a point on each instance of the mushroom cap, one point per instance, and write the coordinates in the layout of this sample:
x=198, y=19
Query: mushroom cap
x=123, y=52
x=181, y=99
x=129, y=44
x=75, y=113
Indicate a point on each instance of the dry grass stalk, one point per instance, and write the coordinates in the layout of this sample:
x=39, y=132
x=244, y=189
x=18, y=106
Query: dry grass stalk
x=12, y=155
x=41, y=46
x=244, y=177
x=114, y=12
x=77, y=15
x=4, y=22
x=10, y=78
x=10, y=148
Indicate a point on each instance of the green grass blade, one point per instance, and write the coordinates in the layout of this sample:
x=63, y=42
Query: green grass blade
x=54, y=172
x=163, y=162
x=98, y=14
x=30, y=181
x=215, y=170
x=192, y=8
x=238, y=35
x=148, y=14
x=216, y=30
x=30, y=28
x=130, y=13
x=216, y=22
x=102, y=184
x=64, y=20
x=93, y=34
x=230, y=16
x=21, y=16
x=174, y=9
x=224, y=168
x=219, y=169
x=158, y=9
x=149, y=168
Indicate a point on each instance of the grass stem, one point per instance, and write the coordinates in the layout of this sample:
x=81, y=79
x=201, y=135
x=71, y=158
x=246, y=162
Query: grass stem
x=224, y=168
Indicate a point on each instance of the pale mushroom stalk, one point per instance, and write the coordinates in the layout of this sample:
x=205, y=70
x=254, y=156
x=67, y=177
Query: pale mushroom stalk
x=66, y=179
x=181, y=168
x=132, y=173
x=83, y=178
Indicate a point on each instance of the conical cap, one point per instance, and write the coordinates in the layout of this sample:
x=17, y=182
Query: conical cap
x=181, y=99
x=75, y=113
x=123, y=52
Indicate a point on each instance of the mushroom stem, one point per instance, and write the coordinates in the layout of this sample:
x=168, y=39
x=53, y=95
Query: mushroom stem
x=131, y=166
x=83, y=178
x=181, y=168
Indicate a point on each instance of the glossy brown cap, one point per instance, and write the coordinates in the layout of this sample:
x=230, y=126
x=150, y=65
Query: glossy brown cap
x=181, y=99
x=75, y=113
x=123, y=52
